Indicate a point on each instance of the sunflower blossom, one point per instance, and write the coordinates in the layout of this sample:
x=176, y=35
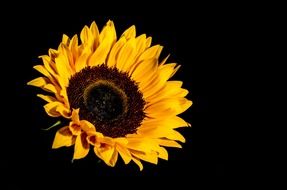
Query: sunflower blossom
x=115, y=94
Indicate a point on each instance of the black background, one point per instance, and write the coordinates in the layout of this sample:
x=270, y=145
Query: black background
x=195, y=40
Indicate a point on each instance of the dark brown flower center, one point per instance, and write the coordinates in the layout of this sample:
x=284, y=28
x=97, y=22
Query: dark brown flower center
x=107, y=98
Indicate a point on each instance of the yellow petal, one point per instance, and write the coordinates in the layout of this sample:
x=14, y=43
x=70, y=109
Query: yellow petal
x=140, y=43
x=74, y=47
x=38, y=82
x=105, y=153
x=91, y=139
x=64, y=57
x=95, y=32
x=175, y=84
x=75, y=129
x=150, y=53
x=139, y=144
x=45, y=72
x=63, y=137
x=161, y=132
x=62, y=68
x=90, y=37
x=69, y=58
x=148, y=42
x=145, y=71
x=168, y=70
x=175, y=105
x=162, y=153
x=47, y=98
x=53, y=53
x=149, y=157
x=146, y=145
x=125, y=154
x=164, y=60
x=47, y=64
x=63, y=111
x=50, y=88
x=109, y=32
x=107, y=140
x=114, y=158
x=153, y=86
x=62, y=84
x=172, y=89
x=169, y=143
x=130, y=32
x=112, y=59
x=121, y=140
x=107, y=38
x=42, y=69
x=87, y=126
x=84, y=36
x=82, y=147
x=100, y=55
x=163, y=129
x=74, y=42
x=175, y=70
x=149, y=147
x=127, y=55
x=138, y=162
x=181, y=93
x=159, y=51
x=82, y=61
x=167, y=123
x=64, y=97
x=65, y=39
x=75, y=116
x=51, y=107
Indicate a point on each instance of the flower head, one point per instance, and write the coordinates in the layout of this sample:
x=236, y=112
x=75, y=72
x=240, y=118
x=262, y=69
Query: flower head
x=116, y=95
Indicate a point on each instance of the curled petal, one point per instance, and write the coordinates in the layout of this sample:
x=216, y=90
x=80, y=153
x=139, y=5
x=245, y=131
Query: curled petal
x=82, y=147
x=63, y=137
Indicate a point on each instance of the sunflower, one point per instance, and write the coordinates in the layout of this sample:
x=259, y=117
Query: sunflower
x=115, y=95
